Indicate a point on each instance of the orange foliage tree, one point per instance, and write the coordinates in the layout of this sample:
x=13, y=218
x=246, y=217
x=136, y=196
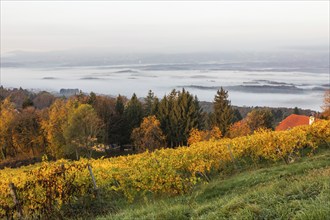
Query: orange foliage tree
x=20, y=134
x=26, y=134
x=238, y=129
x=148, y=136
x=196, y=135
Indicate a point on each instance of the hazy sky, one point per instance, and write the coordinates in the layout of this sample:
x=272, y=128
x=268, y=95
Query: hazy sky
x=163, y=27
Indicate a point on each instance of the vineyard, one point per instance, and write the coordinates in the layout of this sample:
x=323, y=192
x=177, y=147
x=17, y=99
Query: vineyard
x=42, y=189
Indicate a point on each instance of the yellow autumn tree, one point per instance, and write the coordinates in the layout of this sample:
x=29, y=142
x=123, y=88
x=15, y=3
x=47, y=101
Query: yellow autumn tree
x=196, y=135
x=148, y=136
x=54, y=125
x=7, y=118
x=82, y=129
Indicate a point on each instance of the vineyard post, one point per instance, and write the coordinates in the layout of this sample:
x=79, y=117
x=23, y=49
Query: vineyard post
x=232, y=156
x=93, y=178
x=16, y=201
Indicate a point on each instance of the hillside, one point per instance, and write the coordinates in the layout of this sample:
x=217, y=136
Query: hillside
x=88, y=188
x=300, y=190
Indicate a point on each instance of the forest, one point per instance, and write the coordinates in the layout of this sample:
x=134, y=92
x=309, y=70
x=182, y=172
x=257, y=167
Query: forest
x=97, y=155
x=35, y=125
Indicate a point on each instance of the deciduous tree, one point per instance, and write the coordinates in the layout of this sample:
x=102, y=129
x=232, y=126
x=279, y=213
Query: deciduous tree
x=259, y=118
x=148, y=136
x=83, y=128
x=238, y=129
x=54, y=126
x=8, y=114
x=26, y=133
x=196, y=135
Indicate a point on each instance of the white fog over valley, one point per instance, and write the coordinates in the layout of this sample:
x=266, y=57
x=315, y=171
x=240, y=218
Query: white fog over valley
x=264, y=53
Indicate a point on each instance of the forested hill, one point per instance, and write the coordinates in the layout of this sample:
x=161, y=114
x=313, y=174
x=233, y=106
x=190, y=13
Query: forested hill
x=91, y=125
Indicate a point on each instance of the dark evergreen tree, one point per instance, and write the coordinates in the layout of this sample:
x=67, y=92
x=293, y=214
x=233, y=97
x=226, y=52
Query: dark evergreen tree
x=236, y=116
x=178, y=113
x=277, y=116
x=199, y=114
x=150, y=104
x=105, y=109
x=120, y=106
x=133, y=113
x=155, y=106
x=91, y=99
x=296, y=111
x=163, y=116
x=119, y=129
x=223, y=112
x=27, y=102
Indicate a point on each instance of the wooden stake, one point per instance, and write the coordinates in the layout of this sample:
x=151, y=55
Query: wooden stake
x=15, y=199
x=93, y=178
x=232, y=156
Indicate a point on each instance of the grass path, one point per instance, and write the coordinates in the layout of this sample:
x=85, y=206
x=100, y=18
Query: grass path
x=300, y=190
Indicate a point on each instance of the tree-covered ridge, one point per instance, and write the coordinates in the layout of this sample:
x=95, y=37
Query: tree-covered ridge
x=70, y=128
x=36, y=124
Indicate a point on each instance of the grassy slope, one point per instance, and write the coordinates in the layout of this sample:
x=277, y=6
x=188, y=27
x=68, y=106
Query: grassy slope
x=297, y=191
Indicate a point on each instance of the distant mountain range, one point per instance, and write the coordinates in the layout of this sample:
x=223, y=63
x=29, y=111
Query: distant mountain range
x=289, y=60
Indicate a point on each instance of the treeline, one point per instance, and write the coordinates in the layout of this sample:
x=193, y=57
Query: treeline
x=279, y=113
x=36, y=124
x=69, y=128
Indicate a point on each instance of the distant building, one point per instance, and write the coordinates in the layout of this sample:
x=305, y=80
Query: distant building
x=293, y=121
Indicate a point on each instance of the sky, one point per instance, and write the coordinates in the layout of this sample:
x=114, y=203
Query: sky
x=163, y=27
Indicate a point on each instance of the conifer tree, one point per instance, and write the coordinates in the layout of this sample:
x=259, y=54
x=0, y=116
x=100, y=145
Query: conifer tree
x=118, y=126
x=178, y=113
x=223, y=112
x=155, y=106
x=120, y=107
x=167, y=117
x=92, y=99
x=150, y=105
x=133, y=113
x=27, y=103
x=236, y=116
